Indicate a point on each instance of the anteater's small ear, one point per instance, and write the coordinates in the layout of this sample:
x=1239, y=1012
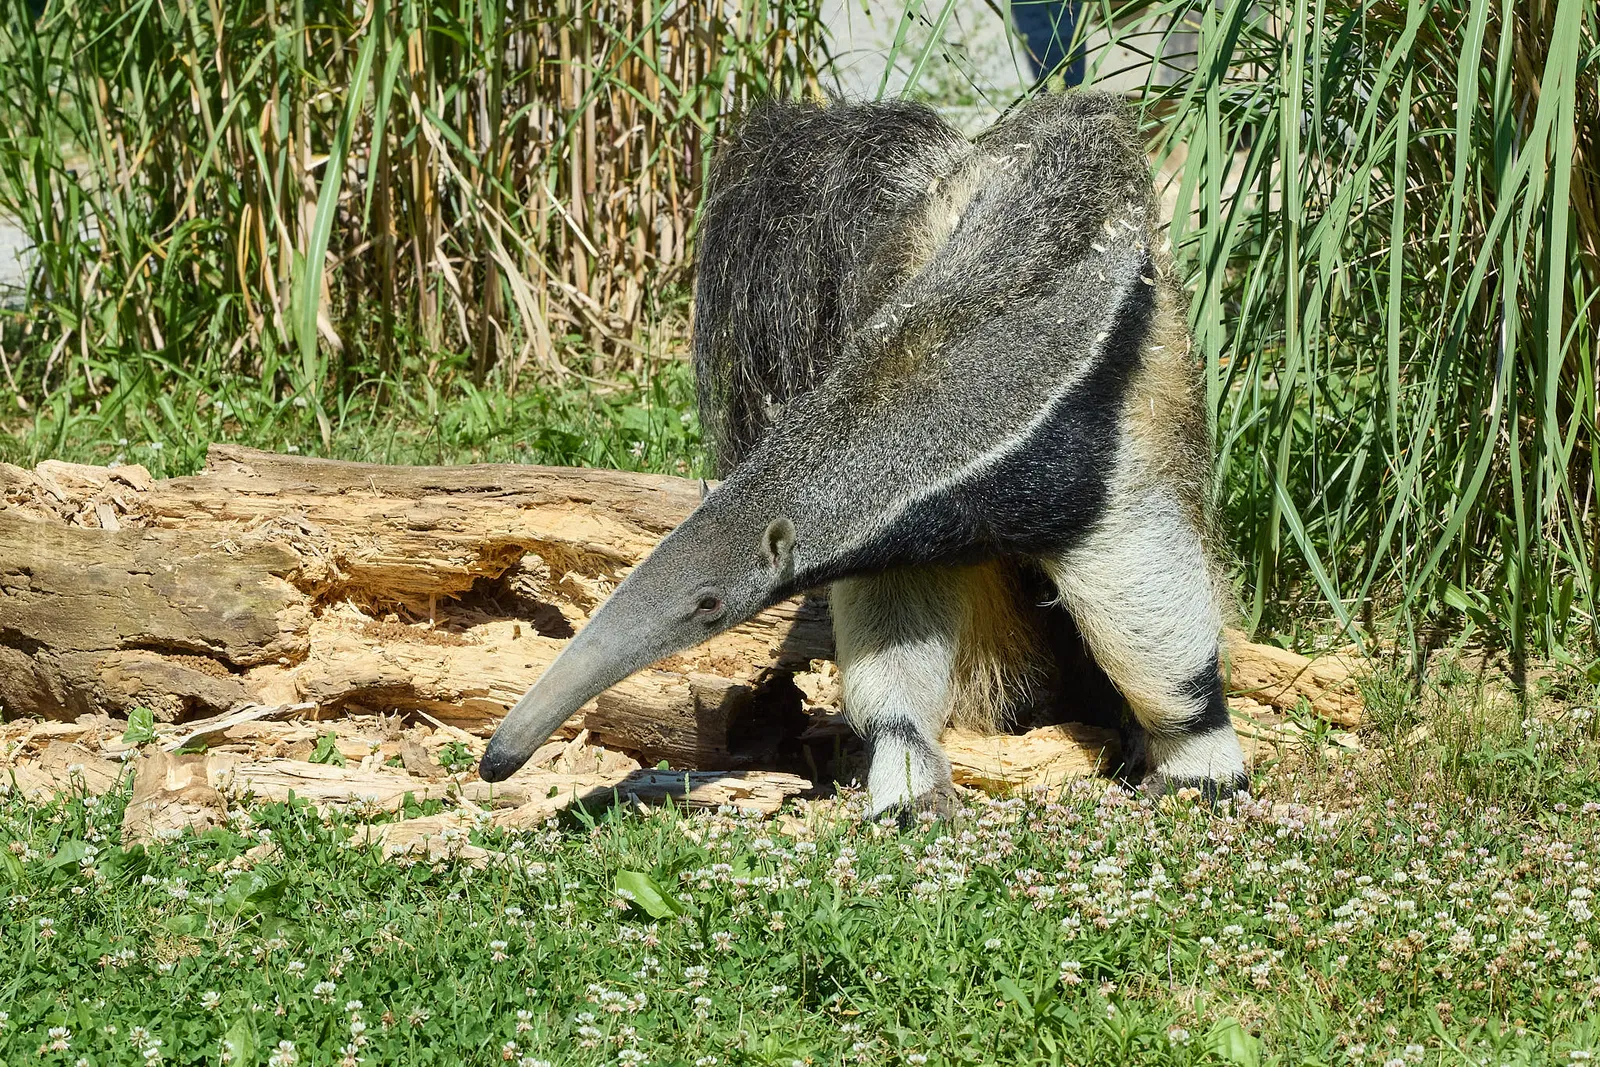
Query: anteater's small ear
x=777, y=546
x=705, y=489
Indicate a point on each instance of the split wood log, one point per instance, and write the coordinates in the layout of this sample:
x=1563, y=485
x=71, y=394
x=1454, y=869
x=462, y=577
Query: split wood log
x=217, y=726
x=172, y=792
x=314, y=572
x=74, y=767
x=93, y=620
x=438, y=591
x=1046, y=757
x=1282, y=678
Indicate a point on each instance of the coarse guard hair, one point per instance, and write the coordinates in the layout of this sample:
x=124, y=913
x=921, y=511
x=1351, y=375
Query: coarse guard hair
x=812, y=216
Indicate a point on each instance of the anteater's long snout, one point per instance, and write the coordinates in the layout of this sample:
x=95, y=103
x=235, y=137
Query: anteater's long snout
x=587, y=667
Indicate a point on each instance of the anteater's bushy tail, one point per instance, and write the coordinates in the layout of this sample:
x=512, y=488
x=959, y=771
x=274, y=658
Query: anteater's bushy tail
x=813, y=215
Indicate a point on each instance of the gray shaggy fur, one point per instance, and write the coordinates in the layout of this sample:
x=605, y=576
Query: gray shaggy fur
x=962, y=365
x=808, y=218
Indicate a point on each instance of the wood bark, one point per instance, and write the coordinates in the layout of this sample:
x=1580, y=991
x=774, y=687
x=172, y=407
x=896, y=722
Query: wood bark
x=440, y=591
x=282, y=579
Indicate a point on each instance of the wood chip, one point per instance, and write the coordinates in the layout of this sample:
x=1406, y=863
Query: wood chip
x=70, y=764
x=444, y=836
x=216, y=726
x=172, y=793
x=419, y=761
x=760, y=792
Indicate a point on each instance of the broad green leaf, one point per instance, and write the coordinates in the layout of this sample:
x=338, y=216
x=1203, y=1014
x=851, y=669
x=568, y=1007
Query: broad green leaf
x=1230, y=1043
x=73, y=851
x=1014, y=992
x=327, y=750
x=141, y=727
x=240, y=1041
x=641, y=889
x=10, y=866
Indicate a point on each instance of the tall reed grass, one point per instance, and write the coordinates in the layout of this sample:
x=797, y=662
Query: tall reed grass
x=1390, y=212
x=309, y=195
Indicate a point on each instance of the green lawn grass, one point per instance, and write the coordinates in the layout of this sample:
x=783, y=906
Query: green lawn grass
x=642, y=421
x=1416, y=903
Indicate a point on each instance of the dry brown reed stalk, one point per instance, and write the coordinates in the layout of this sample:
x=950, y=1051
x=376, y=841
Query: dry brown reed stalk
x=310, y=192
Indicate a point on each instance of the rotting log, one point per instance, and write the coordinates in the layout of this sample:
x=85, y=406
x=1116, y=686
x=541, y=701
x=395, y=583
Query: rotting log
x=96, y=619
x=280, y=580
x=1276, y=676
x=440, y=591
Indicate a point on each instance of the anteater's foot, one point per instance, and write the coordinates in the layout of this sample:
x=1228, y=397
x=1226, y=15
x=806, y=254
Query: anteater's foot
x=1211, y=790
x=941, y=804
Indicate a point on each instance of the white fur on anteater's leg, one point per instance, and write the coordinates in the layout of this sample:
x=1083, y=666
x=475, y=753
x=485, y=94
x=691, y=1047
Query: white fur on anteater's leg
x=896, y=636
x=1140, y=591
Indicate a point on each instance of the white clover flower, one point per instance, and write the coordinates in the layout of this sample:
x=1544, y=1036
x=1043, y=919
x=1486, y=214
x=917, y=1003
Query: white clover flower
x=993, y=944
x=1071, y=972
x=283, y=1056
x=210, y=999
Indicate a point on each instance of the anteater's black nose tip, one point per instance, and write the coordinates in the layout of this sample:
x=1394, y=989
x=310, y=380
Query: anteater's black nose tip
x=497, y=764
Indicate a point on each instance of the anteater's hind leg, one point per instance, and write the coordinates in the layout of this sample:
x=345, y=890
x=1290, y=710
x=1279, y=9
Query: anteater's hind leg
x=896, y=638
x=1140, y=591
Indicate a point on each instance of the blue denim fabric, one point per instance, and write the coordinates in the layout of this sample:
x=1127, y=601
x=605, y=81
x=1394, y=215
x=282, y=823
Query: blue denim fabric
x=1046, y=27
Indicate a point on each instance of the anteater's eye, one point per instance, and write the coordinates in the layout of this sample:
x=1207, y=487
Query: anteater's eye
x=708, y=604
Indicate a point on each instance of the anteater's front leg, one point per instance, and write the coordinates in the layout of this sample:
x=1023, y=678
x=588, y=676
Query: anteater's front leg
x=896, y=637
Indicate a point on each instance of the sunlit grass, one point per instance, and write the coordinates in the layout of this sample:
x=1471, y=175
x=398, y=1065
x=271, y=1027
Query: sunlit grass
x=642, y=422
x=1353, y=915
x=298, y=201
x=1388, y=211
